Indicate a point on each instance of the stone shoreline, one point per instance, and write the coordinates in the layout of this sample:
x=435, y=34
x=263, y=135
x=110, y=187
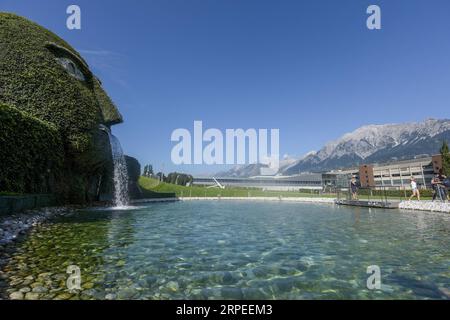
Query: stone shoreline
x=425, y=206
x=15, y=225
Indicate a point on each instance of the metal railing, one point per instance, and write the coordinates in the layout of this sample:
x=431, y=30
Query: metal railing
x=369, y=194
x=387, y=194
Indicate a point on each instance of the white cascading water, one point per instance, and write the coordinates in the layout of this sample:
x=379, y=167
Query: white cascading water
x=121, y=196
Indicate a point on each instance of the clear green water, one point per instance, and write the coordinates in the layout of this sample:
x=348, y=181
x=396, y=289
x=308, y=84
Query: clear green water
x=237, y=250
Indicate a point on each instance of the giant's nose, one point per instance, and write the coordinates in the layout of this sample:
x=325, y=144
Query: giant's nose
x=109, y=111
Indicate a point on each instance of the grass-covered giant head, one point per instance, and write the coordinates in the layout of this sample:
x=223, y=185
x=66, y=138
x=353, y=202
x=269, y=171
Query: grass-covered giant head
x=45, y=78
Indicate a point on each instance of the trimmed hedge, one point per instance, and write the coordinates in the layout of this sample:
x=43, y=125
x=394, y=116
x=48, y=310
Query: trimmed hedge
x=31, y=153
x=395, y=193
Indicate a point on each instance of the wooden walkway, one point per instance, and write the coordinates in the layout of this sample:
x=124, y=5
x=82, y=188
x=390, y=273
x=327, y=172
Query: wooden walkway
x=370, y=204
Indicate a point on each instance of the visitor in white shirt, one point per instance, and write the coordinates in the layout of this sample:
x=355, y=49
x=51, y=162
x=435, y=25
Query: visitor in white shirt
x=415, y=190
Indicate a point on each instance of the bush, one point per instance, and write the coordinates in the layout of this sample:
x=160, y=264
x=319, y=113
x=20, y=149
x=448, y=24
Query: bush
x=31, y=153
x=180, y=179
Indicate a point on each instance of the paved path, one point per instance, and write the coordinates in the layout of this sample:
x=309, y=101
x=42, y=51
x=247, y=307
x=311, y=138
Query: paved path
x=425, y=206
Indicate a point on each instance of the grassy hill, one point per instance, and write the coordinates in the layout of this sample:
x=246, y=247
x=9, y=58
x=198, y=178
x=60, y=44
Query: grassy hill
x=151, y=186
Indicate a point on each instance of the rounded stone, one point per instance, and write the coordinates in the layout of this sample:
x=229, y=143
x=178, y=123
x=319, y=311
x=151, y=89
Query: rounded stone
x=150, y=280
x=16, y=295
x=88, y=285
x=173, y=286
x=126, y=294
x=232, y=293
x=36, y=284
x=111, y=296
x=40, y=289
x=32, y=296
x=63, y=296
x=228, y=278
x=254, y=294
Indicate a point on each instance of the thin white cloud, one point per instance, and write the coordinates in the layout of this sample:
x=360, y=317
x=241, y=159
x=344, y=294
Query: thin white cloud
x=106, y=63
x=99, y=52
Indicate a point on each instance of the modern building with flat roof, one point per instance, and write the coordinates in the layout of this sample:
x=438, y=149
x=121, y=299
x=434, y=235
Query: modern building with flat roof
x=397, y=174
x=392, y=175
x=311, y=181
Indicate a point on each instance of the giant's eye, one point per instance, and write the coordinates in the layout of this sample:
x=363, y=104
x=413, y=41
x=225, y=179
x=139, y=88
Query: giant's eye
x=71, y=68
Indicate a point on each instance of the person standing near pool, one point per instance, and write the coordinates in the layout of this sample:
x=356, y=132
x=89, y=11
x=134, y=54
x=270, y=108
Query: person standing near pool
x=354, y=188
x=444, y=184
x=440, y=190
x=434, y=182
x=415, y=190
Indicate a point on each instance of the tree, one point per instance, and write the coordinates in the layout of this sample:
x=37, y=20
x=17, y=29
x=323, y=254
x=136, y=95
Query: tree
x=161, y=177
x=445, y=158
x=148, y=171
x=180, y=179
x=145, y=171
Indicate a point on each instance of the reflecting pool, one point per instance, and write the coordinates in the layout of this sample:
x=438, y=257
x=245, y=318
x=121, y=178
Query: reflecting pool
x=234, y=250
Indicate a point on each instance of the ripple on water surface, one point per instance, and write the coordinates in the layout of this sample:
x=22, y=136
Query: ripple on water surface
x=235, y=250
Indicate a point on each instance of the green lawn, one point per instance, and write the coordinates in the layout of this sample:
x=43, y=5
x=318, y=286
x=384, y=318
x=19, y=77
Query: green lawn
x=151, y=186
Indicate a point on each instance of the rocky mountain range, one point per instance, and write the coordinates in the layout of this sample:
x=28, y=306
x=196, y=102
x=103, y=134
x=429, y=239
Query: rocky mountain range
x=367, y=144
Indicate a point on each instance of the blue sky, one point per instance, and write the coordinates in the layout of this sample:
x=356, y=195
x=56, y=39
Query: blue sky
x=310, y=68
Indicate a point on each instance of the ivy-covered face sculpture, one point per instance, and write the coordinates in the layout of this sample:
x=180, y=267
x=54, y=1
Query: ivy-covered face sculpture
x=45, y=77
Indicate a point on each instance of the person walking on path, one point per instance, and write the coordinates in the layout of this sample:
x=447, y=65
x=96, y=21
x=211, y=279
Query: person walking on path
x=415, y=190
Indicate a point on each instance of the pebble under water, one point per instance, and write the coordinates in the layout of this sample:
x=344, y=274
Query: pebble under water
x=233, y=250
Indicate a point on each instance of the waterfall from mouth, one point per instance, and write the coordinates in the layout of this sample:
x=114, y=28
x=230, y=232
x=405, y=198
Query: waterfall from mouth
x=121, y=196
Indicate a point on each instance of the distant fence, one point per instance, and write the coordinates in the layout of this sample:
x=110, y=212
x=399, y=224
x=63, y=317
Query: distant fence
x=381, y=192
x=364, y=193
